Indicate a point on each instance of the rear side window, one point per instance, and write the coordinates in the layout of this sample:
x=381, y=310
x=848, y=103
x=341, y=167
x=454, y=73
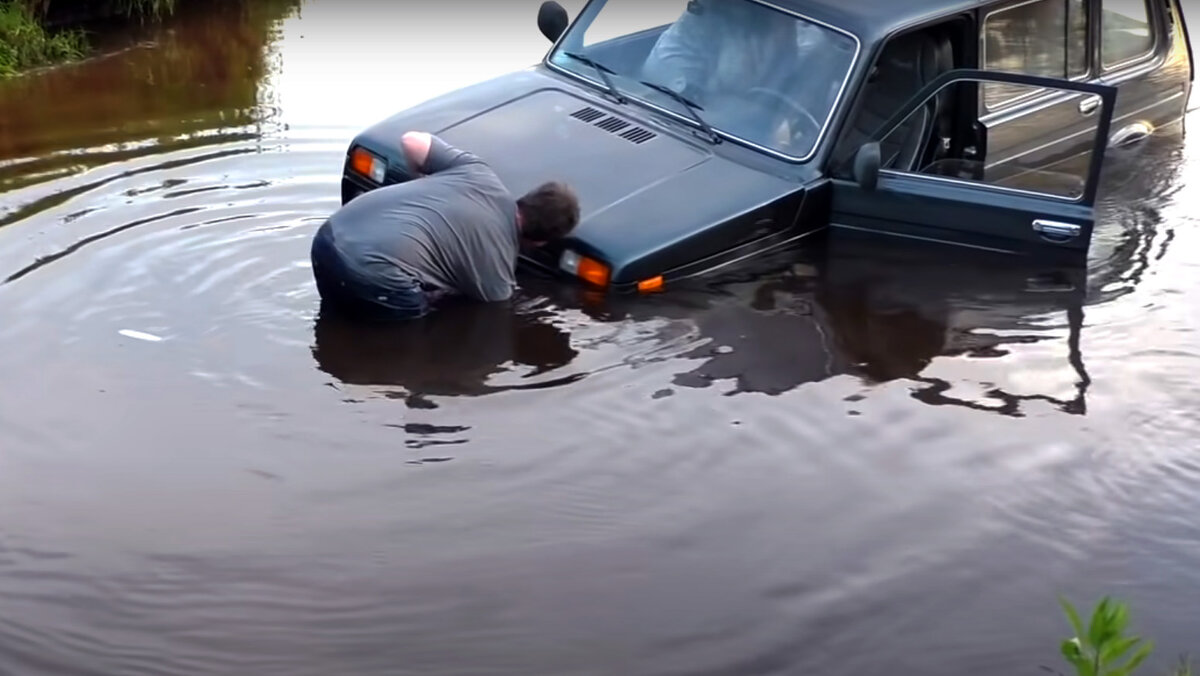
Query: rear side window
x=1041, y=37
x=1126, y=31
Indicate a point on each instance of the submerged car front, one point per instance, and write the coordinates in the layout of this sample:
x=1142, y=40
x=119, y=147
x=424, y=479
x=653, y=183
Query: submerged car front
x=688, y=130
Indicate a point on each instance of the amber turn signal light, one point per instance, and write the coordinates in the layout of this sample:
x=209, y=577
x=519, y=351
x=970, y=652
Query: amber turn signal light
x=651, y=285
x=368, y=164
x=593, y=271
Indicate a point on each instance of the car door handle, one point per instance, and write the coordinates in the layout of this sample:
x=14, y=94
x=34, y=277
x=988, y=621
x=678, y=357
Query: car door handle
x=1089, y=105
x=1056, y=231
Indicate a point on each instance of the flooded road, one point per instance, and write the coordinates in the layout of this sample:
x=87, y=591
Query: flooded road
x=853, y=461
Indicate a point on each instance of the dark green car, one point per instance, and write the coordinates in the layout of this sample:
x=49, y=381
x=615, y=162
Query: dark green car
x=702, y=133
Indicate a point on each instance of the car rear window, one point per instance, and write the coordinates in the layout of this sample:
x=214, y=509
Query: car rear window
x=1041, y=37
x=1125, y=27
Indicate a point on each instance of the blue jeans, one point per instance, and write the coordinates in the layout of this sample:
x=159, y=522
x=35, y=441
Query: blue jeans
x=348, y=292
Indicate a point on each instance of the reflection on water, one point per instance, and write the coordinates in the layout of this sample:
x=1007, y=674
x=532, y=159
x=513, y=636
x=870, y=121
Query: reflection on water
x=879, y=313
x=851, y=458
x=895, y=318
x=414, y=359
x=1139, y=183
x=861, y=308
x=200, y=74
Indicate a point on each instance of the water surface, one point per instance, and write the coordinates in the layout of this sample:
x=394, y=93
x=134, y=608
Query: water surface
x=849, y=460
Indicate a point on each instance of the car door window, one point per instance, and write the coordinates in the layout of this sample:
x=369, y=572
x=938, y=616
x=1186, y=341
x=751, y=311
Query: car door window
x=1126, y=33
x=1040, y=201
x=1039, y=37
x=1024, y=162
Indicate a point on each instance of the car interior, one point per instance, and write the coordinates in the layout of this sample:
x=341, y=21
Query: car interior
x=907, y=63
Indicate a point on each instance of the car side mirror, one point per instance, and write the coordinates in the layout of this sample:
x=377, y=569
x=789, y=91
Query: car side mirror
x=866, y=165
x=552, y=20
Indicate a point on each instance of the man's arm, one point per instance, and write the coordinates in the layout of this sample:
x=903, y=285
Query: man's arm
x=678, y=59
x=428, y=154
x=495, y=293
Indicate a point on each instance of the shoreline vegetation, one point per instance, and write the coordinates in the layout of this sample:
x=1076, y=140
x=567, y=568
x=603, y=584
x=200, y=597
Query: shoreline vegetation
x=1101, y=646
x=39, y=33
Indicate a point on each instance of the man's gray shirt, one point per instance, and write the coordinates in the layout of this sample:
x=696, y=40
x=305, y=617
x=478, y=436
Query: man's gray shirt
x=454, y=230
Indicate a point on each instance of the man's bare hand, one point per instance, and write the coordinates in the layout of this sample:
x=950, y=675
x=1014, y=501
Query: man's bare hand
x=416, y=147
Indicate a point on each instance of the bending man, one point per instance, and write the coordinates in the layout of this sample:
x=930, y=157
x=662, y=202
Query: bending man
x=455, y=230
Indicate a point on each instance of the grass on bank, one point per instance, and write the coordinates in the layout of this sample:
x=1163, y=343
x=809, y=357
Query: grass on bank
x=25, y=44
x=129, y=9
x=145, y=8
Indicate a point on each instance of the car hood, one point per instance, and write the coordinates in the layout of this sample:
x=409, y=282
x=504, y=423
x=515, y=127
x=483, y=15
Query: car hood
x=554, y=135
x=642, y=186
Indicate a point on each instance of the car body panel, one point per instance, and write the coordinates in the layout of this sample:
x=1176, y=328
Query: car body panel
x=908, y=206
x=1152, y=93
x=1154, y=88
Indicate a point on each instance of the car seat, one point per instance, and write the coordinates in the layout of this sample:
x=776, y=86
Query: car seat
x=939, y=61
x=907, y=64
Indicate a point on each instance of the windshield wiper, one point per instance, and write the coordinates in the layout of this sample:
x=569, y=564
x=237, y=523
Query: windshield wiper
x=691, y=106
x=603, y=70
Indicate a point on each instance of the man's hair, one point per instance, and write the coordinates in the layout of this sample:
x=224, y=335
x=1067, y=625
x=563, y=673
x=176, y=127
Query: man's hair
x=550, y=211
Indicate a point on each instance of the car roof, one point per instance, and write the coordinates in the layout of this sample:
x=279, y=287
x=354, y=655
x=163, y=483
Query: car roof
x=872, y=20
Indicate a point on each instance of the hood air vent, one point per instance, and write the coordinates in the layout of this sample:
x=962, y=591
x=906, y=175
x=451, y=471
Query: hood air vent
x=613, y=124
x=638, y=135
x=588, y=114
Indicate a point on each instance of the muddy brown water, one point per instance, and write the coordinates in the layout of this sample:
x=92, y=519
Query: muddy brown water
x=854, y=460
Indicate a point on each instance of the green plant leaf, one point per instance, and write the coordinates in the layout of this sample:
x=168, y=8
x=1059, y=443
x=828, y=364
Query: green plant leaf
x=1104, y=622
x=1097, y=623
x=1119, y=618
x=1138, y=657
x=1070, y=650
x=1074, y=654
x=1072, y=616
x=1114, y=649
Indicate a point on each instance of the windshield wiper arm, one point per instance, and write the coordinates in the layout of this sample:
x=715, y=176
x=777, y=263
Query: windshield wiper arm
x=691, y=106
x=604, y=73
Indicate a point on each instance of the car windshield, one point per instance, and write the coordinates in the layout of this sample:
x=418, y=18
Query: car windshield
x=755, y=72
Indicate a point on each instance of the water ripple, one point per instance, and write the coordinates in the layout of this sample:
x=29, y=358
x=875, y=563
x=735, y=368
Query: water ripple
x=841, y=463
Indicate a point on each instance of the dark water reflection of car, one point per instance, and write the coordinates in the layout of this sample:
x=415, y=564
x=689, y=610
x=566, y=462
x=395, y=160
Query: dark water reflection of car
x=884, y=313
x=893, y=313
x=861, y=309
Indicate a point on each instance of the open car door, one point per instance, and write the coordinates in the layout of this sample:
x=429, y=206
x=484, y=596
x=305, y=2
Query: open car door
x=1039, y=200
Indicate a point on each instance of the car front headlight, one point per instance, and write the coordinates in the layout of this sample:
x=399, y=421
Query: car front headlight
x=588, y=269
